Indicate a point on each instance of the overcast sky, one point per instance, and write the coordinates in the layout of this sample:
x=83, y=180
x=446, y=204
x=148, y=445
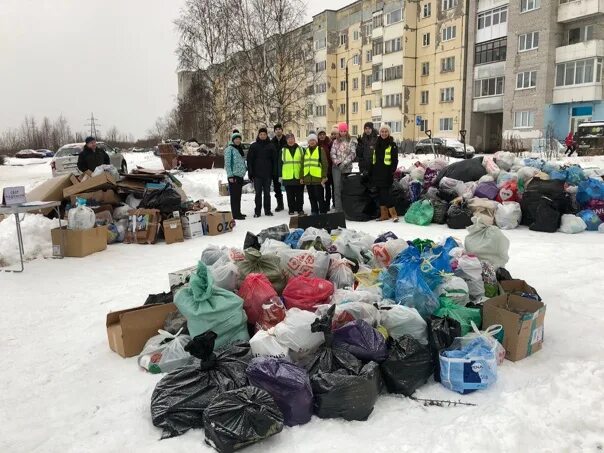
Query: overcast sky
x=111, y=57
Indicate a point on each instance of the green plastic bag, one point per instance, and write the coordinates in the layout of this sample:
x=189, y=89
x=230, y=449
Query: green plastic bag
x=268, y=264
x=449, y=309
x=420, y=213
x=209, y=307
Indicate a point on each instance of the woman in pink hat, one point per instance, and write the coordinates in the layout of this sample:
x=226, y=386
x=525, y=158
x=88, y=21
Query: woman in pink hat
x=343, y=153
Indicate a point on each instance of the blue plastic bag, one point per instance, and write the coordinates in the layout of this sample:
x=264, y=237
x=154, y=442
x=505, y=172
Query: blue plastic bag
x=591, y=219
x=535, y=163
x=449, y=245
x=387, y=280
x=293, y=237
x=575, y=175
x=415, y=191
x=435, y=262
x=411, y=288
x=549, y=168
x=560, y=175
x=592, y=189
x=468, y=368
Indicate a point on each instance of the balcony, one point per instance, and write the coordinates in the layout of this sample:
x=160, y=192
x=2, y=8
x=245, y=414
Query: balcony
x=486, y=71
x=581, y=50
x=578, y=93
x=376, y=86
x=377, y=32
x=488, y=104
x=376, y=59
x=376, y=111
x=580, y=9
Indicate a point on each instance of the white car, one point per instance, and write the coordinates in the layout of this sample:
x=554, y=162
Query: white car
x=449, y=146
x=66, y=159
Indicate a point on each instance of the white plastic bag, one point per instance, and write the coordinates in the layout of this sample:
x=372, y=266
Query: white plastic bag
x=358, y=310
x=340, y=273
x=452, y=184
x=526, y=174
x=294, y=333
x=264, y=344
x=296, y=262
x=508, y=215
x=417, y=173
x=469, y=189
x=81, y=218
x=470, y=269
x=488, y=162
x=165, y=352
x=272, y=246
x=486, y=178
x=572, y=224
x=488, y=243
x=106, y=169
x=456, y=289
x=344, y=296
x=226, y=275
x=601, y=228
x=385, y=252
x=311, y=233
x=504, y=160
x=213, y=254
x=121, y=212
x=132, y=201
x=400, y=320
x=355, y=246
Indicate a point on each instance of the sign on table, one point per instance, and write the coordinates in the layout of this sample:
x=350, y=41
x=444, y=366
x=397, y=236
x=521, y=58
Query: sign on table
x=12, y=196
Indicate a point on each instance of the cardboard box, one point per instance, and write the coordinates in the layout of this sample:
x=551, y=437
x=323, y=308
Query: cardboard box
x=223, y=189
x=180, y=278
x=219, y=222
x=129, y=330
x=104, y=180
x=517, y=286
x=98, y=197
x=522, y=320
x=50, y=190
x=192, y=224
x=143, y=226
x=173, y=231
x=78, y=243
x=328, y=222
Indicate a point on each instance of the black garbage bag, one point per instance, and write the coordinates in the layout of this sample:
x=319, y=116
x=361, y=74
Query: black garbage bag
x=160, y=298
x=180, y=397
x=459, y=216
x=357, y=203
x=408, y=366
x=536, y=189
x=242, y=417
x=341, y=385
x=447, y=195
x=502, y=274
x=251, y=241
x=400, y=199
x=278, y=233
x=175, y=322
x=465, y=170
x=440, y=211
x=441, y=333
x=547, y=217
x=167, y=200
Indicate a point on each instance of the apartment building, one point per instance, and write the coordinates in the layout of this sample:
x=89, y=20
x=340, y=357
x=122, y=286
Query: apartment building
x=535, y=69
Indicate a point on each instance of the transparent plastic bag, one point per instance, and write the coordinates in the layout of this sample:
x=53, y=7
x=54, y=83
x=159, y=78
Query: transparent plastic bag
x=213, y=254
x=311, y=233
x=351, y=311
x=470, y=269
x=344, y=296
x=226, y=276
x=295, y=333
x=272, y=246
x=400, y=320
x=385, y=252
x=340, y=273
x=273, y=312
x=164, y=352
x=489, y=335
x=456, y=289
x=106, y=169
x=571, y=224
x=81, y=218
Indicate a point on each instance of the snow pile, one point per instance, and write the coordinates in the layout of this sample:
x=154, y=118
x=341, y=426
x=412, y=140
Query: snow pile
x=145, y=160
x=200, y=184
x=36, y=239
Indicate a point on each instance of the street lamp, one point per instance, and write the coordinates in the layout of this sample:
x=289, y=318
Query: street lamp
x=347, y=109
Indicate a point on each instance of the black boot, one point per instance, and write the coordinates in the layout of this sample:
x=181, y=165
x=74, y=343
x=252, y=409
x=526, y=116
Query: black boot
x=279, y=207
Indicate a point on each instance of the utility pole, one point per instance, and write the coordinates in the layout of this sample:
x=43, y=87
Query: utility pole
x=92, y=124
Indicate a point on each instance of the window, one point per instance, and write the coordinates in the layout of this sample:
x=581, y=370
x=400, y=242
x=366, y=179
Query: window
x=367, y=30
x=423, y=125
x=355, y=83
x=320, y=66
x=343, y=39
x=310, y=109
x=368, y=56
x=321, y=43
x=529, y=5
x=377, y=73
x=368, y=80
x=355, y=107
x=378, y=21
x=492, y=17
x=426, y=39
x=449, y=4
x=427, y=10
x=378, y=47
x=449, y=33
x=425, y=68
x=342, y=85
x=447, y=94
x=342, y=109
x=447, y=64
x=355, y=129
x=342, y=63
x=488, y=87
x=580, y=34
x=446, y=124
x=355, y=35
x=525, y=119
x=393, y=45
x=394, y=17
x=396, y=72
x=578, y=72
x=356, y=59
x=528, y=41
x=368, y=105
x=392, y=100
x=490, y=51
x=321, y=88
x=526, y=80
x=320, y=110
x=395, y=126
x=425, y=97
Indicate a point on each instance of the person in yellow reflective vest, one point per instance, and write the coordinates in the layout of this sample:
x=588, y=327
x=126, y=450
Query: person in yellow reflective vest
x=384, y=161
x=315, y=167
x=290, y=173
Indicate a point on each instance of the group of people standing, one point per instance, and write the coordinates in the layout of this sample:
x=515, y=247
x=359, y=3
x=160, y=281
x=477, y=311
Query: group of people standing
x=321, y=167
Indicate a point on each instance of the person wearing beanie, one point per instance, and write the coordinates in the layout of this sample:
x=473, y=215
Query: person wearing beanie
x=234, y=164
x=325, y=144
x=366, y=146
x=91, y=157
x=279, y=142
x=382, y=166
x=314, y=171
x=334, y=133
x=290, y=169
x=262, y=167
x=343, y=153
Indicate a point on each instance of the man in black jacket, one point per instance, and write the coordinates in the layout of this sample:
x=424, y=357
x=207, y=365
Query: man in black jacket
x=91, y=157
x=366, y=146
x=262, y=168
x=279, y=141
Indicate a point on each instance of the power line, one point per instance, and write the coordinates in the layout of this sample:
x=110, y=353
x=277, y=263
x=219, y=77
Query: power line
x=93, y=125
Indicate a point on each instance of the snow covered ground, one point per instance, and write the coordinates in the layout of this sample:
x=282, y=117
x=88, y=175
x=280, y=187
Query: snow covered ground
x=64, y=390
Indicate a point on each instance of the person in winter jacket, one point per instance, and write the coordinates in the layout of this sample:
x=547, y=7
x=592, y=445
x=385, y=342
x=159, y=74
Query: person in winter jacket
x=290, y=165
x=382, y=165
x=343, y=153
x=234, y=164
x=91, y=157
x=262, y=167
x=314, y=174
x=571, y=144
x=279, y=141
x=366, y=146
x=325, y=144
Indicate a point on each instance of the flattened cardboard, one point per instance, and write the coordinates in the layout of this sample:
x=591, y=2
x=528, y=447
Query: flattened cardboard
x=219, y=222
x=98, y=197
x=517, y=286
x=104, y=180
x=128, y=330
x=78, y=243
x=331, y=221
x=173, y=231
x=180, y=278
x=50, y=190
x=523, y=332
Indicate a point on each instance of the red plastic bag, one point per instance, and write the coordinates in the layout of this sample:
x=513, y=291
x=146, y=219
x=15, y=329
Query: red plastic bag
x=273, y=312
x=306, y=293
x=508, y=192
x=255, y=291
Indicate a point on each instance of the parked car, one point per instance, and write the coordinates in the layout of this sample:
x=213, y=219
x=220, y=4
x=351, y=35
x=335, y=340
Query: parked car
x=448, y=146
x=46, y=152
x=65, y=160
x=29, y=154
